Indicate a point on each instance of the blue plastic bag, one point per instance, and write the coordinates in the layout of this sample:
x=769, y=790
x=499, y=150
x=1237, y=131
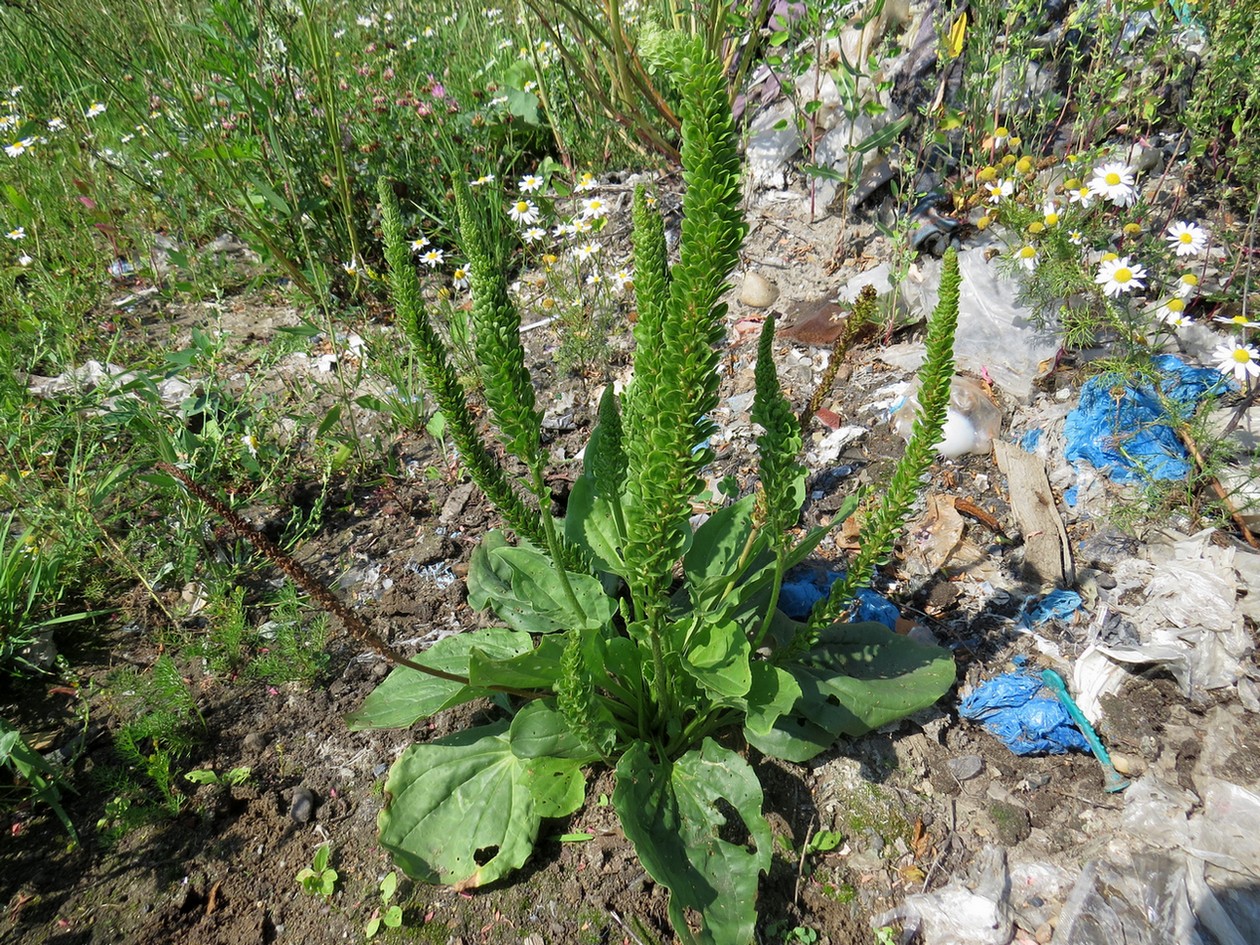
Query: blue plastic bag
x=1124, y=427
x=799, y=594
x=1020, y=710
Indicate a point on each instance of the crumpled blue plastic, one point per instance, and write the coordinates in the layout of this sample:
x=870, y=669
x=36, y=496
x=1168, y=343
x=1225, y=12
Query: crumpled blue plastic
x=1124, y=428
x=1054, y=606
x=1030, y=441
x=1027, y=717
x=798, y=596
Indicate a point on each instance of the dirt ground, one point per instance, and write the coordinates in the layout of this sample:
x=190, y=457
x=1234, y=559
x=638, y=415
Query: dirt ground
x=915, y=805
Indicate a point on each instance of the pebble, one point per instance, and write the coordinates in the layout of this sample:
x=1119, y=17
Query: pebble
x=1128, y=765
x=303, y=806
x=758, y=291
x=965, y=767
x=255, y=742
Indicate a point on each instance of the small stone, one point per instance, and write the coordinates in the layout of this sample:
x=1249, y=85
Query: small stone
x=255, y=742
x=303, y=806
x=965, y=767
x=1128, y=765
x=1044, y=933
x=758, y=291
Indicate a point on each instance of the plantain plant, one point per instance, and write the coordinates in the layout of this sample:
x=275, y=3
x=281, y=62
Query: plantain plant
x=630, y=638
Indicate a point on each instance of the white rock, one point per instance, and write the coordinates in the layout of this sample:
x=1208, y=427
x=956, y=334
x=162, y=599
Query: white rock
x=758, y=291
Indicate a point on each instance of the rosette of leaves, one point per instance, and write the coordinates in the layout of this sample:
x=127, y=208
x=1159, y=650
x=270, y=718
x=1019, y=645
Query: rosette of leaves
x=630, y=638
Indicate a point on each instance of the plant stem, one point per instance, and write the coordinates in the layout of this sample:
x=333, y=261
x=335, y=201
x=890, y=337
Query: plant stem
x=553, y=540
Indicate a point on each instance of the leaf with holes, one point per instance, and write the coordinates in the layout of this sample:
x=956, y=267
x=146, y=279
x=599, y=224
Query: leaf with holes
x=696, y=824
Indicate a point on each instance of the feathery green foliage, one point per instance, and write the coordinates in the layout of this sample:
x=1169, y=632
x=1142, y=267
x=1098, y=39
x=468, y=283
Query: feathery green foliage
x=882, y=525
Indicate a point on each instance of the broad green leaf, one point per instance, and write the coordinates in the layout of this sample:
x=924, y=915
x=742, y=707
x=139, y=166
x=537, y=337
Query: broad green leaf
x=719, y=542
x=534, y=579
x=459, y=810
x=557, y=785
x=408, y=695
x=590, y=525
x=490, y=585
x=674, y=816
x=540, y=730
x=718, y=659
x=773, y=693
x=859, y=677
x=538, y=668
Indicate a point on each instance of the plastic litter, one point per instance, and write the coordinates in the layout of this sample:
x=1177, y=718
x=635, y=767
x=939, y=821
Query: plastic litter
x=972, y=420
x=958, y=915
x=799, y=594
x=1057, y=605
x=1125, y=428
x=1028, y=718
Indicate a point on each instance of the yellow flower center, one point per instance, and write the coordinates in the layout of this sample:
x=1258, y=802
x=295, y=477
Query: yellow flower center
x=1239, y=320
x=1001, y=131
x=1123, y=275
x=1189, y=279
x=1052, y=219
x=1242, y=355
x=1108, y=257
x=1186, y=238
x=1027, y=253
x=1112, y=178
x=1176, y=305
x=521, y=206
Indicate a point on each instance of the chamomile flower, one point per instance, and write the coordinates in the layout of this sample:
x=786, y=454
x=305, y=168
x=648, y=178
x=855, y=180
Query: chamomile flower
x=96, y=108
x=1243, y=361
x=564, y=229
x=19, y=147
x=351, y=268
x=1173, y=313
x=620, y=279
x=1026, y=256
x=1187, y=239
x=1076, y=238
x=1083, y=197
x=56, y=124
x=429, y=32
x=533, y=234
x=524, y=211
x=594, y=208
x=1001, y=135
x=581, y=226
x=999, y=189
x=1120, y=275
x=482, y=180
x=250, y=442
x=17, y=233
x=530, y=183
x=433, y=258
x=1115, y=182
x=1050, y=215
x=419, y=243
x=1238, y=321
x=459, y=278
x=1187, y=285
x=586, y=182
x=586, y=251
x=595, y=278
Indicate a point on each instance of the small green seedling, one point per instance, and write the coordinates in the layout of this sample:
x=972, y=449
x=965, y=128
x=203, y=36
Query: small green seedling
x=233, y=778
x=319, y=879
x=824, y=841
x=392, y=916
x=884, y=935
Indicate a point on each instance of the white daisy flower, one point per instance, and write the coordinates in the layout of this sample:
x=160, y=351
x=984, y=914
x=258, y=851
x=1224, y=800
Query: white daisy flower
x=586, y=182
x=1027, y=257
x=1187, y=285
x=1082, y=197
x=96, y=108
x=433, y=258
x=524, y=211
x=1237, y=359
x=594, y=208
x=530, y=183
x=25, y=260
x=1120, y=275
x=1115, y=182
x=1173, y=313
x=18, y=148
x=533, y=234
x=1050, y=215
x=482, y=180
x=17, y=233
x=999, y=189
x=459, y=278
x=250, y=442
x=419, y=243
x=1076, y=238
x=56, y=124
x=1238, y=321
x=586, y=251
x=622, y=278
x=1187, y=239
